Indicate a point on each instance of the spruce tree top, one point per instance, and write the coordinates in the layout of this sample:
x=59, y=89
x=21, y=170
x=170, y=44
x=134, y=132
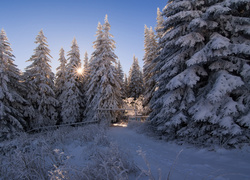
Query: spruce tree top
x=74, y=62
x=40, y=60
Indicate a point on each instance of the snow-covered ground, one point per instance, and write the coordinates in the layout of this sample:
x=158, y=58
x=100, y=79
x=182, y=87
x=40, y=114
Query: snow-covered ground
x=75, y=153
x=183, y=162
x=91, y=152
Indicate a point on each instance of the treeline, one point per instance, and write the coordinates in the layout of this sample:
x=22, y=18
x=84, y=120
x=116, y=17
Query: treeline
x=37, y=97
x=195, y=80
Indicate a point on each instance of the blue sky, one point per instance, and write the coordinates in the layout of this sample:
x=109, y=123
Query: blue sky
x=62, y=20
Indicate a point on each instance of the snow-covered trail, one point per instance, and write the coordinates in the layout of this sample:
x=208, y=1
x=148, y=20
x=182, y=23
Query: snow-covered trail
x=191, y=164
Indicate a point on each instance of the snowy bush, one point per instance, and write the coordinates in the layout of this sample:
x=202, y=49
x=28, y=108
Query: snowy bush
x=130, y=103
x=30, y=159
x=81, y=134
x=109, y=163
x=66, y=153
x=147, y=172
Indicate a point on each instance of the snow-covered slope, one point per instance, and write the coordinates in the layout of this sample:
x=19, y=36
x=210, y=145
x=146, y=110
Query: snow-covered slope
x=91, y=152
x=182, y=162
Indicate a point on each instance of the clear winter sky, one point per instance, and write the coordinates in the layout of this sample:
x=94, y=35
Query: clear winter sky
x=62, y=20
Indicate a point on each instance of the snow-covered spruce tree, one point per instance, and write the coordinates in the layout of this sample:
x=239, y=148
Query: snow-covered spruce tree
x=86, y=68
x=224, y=99
x=203, y=74
x=135, y=80
x=72, y=97
x=160, y=44
x=85, y=79
x=60, y=80
x=126, y=86
x=159, y=27
x=150, y=48
x=104, y=85
x=120, y=74
x=12, y=104
x=39, y=80
x=153, y=46
x=119, y=71
x=61, y=73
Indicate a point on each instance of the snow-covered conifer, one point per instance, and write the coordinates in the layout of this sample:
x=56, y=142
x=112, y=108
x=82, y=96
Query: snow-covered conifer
x=86, y=67
x=61, y=73
x=150, y=48
x=159, y=27
x=135, y=80
x=120, y=74
x=104, y=85
x=72, y=97
x=203, y=93
x=126, y=86
x=85, y=79
x=60, y=79
x=39, y=80
x=12, y=103
x=120, y=71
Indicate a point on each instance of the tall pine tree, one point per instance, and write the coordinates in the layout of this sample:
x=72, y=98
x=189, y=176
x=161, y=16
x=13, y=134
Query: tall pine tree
x=61, y=73
x=72, y=97
x=104, y=85
x=159, y=27
x=39, y=80
x=60, y=79
x=135, y=80
x=150, y=48
x=203, y=93
x=120, y=71
x=126, y=86
x=12, y=103
x=86, y=68
x=120, y=74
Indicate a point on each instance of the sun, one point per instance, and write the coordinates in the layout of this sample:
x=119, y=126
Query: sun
x=79, y=71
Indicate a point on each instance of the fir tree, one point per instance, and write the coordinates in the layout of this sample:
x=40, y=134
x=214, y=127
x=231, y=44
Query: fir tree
x=126, y=86
x=60, y=78
x=61, y=73
x=39, y=80
x=135, y=80
x=203, y=94
x=150, y=49
x=120, y=74
x=86, y=67
x=120, y=71
x=159, y=27
x=12, y=103
x=104, y=85
x=85, y=78
x=72, y=97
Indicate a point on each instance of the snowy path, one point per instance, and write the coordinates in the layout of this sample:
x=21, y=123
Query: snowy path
x=192, y=164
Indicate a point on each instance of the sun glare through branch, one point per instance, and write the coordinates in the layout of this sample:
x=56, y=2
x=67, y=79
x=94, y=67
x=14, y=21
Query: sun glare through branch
x=79, y=71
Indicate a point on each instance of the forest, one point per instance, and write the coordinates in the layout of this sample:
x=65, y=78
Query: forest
x=194, y=82
x=194, y=86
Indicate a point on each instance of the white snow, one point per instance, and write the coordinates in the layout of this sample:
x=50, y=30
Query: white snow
x=75, y=153
x=192, y=163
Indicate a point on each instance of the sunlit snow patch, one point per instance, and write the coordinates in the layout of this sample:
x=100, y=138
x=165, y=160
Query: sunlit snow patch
x=122, y=124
